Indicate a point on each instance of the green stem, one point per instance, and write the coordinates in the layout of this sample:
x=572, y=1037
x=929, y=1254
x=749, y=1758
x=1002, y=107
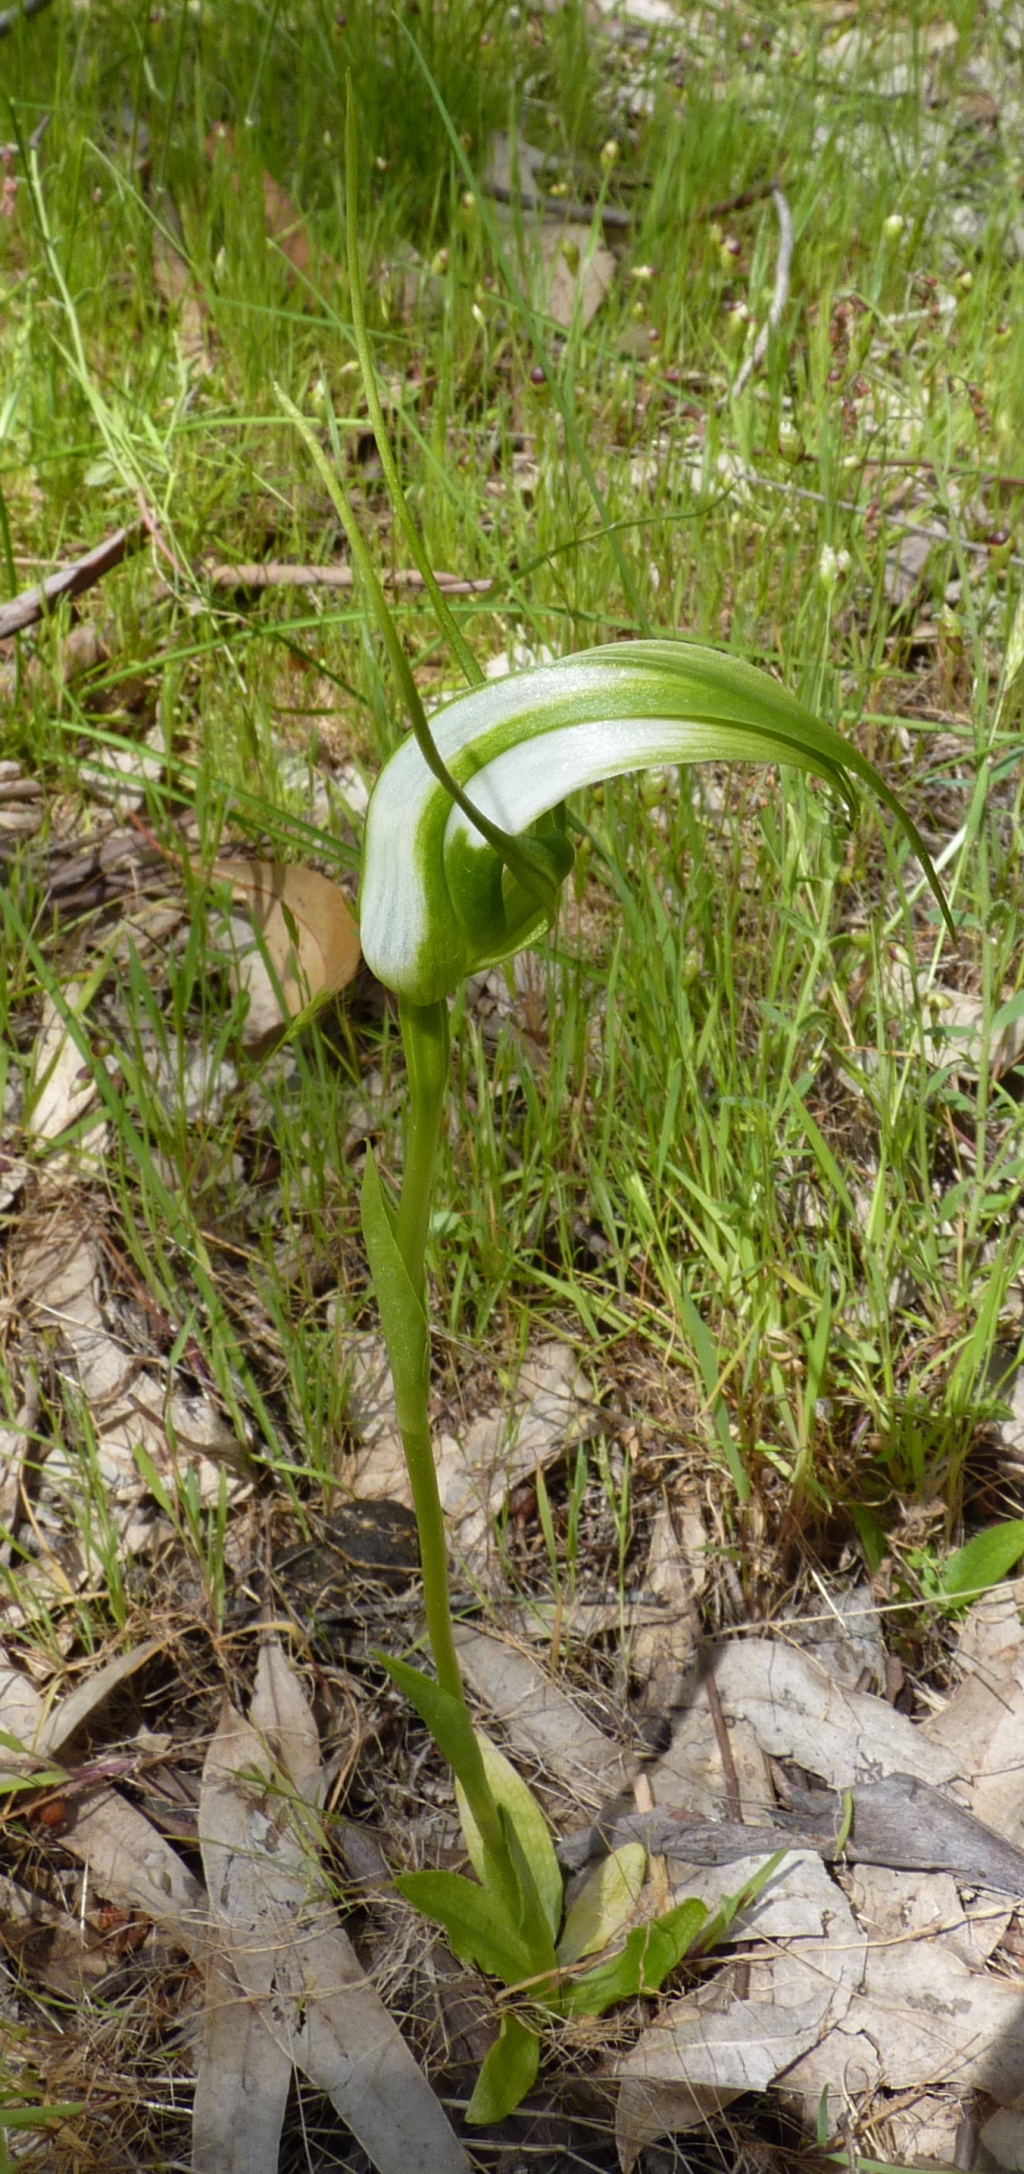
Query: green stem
x=425, y=1040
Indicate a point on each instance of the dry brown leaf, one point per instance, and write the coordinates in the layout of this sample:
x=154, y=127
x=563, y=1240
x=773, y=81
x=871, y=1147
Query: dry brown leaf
x=130, y=1863
x=63, y=1084
x=378, y=1471
x=242, y=2081
x=1003, y=2138
x=846, y=1638
x=281, y=1713
x=302, y=943
x=70, y=1714
x=14, y=1448
x=924, y=2017
x=60, y=1280
x=22, y=1712
x=553, y=1407
x=178, y=290
x=283, y=222
x=691, y=1770
x=797, y=1712
x=294, y=1961
x=285, y=225
x=982, y=1725
x=992, y=1633
x=953, y=1021
x=652, y=14
x=799, y=1986
x=58, y=1950
x=908, y=1906
x=893, y=59
x=540, y=1721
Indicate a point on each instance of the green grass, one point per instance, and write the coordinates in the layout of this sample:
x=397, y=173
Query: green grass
x=722, y=1033
x=724, y=1100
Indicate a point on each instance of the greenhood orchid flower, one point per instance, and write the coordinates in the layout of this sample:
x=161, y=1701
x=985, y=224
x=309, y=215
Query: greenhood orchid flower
x=464, y=855
x=438, y=902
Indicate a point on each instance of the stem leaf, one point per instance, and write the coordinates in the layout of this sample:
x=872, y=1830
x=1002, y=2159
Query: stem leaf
x=504, y=1870
x=605, y=1903
x=403, y=1320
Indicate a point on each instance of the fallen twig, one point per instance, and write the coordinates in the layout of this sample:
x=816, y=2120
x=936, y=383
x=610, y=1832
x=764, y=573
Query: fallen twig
x=34, y=604
x=849, y=505
x=557, y=207
x=270, y=574
x=779, y=298
x=741, y=201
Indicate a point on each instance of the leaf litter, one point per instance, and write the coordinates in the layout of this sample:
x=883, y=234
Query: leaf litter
x=283, y=1986
x=282, y=1953
x=861, y=1980
x=296, y=945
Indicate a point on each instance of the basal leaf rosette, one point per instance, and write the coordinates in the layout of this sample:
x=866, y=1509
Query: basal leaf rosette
x=438, y=903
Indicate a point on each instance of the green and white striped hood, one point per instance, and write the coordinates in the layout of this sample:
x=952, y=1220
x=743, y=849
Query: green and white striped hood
x=436, y=902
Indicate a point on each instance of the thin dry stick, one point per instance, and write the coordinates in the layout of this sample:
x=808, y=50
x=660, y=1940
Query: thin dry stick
x=13, y=150
x=557, y=207
x=154, y=532
x=740, y=202
x=34, y=604
x=270, y=574
x=779, y=298
x=733, y=1800
x=26, y=609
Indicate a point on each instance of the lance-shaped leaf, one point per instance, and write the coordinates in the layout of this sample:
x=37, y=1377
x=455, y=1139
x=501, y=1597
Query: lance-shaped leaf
x=510, y=1791
x=508, y=2073
x=437, y=901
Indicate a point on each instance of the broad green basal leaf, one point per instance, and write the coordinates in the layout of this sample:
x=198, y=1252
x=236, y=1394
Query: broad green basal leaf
x=436, y=901
x=605, y=1904
x=476, y=1925
x=508, y=2073
x=641, y=1966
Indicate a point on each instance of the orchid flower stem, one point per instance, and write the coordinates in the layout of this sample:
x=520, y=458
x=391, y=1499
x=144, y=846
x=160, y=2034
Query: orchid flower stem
x=425, y=1040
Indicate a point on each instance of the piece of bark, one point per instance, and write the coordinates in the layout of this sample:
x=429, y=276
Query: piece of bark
x=899, y=1822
